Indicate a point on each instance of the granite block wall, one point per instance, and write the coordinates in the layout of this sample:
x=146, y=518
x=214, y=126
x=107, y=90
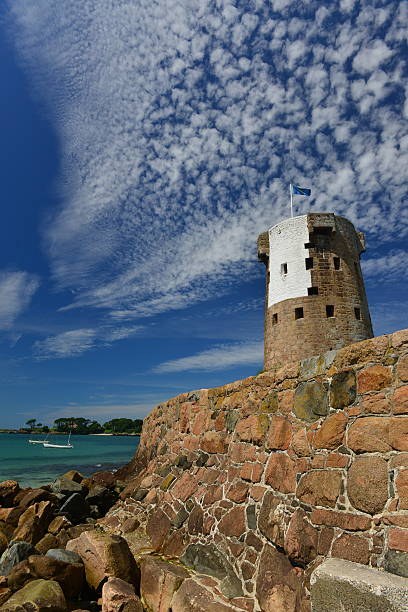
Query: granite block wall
x=252, y=485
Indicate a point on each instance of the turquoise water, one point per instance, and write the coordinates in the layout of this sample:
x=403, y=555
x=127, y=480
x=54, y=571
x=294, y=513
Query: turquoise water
x=33, y=465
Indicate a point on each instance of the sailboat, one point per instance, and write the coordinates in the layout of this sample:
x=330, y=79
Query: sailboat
x=67, y=445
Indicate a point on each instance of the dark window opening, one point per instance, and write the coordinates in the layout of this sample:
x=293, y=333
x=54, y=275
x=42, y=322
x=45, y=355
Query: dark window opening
x=313, y=291
x=357, y=313
x=329, y=310
x=336, y=263
x=275, y=318
x=322, y=231
x=284, y=268
x=309, y=245
x=299, y=313
x=356, y=268
x=309, y=263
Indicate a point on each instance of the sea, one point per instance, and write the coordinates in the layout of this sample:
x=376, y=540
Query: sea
x=32, y=465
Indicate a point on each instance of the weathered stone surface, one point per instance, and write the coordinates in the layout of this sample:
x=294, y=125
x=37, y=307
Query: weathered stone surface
x=233, y=523
x=35, y=496
x=370, y=435
x=279, y=434
x=337, y=584
x=60, y=554
x=10, y=515
x=5, y=594
x=396, y=562
x=238, y=491
x=70, y=576
x=76, y=508
x=158, y=527
x=37, y=596
x=48, y=541
x=66, y=486
x=351, y=547
x=319, y=488
x=34, y=521
x=207, y=559
x=343, y=520
x=400, y=400
x=101, y=496
x=374, y=378
x=8, y=491
x=194, y=597
x=402, y=368
x=120, y=596
x=301, y=444
x=214, y=442
x=399, y=433
x=275, y=573
x=74, y=475
x=253, y=428
x=60, y=522
x=281, y=473
x=331, y=433
x=271, y=518
x=310, y=401
x=3, y=542
x=195, y=521
x=301, y=539
x=16, y=552
x=343, y=389
x=367, y=484
x=401, y=483
x=104, y=555
x=398, y=539
x=159, y=581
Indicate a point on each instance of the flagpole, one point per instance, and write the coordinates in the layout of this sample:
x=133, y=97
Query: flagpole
x=291, y=200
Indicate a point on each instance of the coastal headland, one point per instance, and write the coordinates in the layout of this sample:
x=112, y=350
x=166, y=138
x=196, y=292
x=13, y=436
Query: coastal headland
x=282, y=492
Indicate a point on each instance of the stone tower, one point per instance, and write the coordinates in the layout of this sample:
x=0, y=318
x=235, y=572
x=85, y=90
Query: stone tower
x=315, y=296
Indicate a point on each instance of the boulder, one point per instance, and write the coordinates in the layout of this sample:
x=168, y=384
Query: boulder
x=8, y=491
x=66, y=486
x=60, y=522
x=16, y=552
x=343, y=585
x=60, y=554
x=102, y=497
x=37, y=596
x=74, y=476
x=34, y=521
x=104, y=556
x=5, y=594
x=34, y=496
x=3, y=542
x=10, y=515
x=120, y=596
x=159, y=581
x=48, y=541
x=70, y=576
x=75, y=508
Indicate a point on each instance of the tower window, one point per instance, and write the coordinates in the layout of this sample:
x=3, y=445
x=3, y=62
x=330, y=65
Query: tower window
x=322, y=231
x=313, y=291
x=299, y=313
x=309, y=245
x=357, y=313
x=309, y=263
x=336, y=263
x=329, y=310
x=275, y=318
x=284, y=268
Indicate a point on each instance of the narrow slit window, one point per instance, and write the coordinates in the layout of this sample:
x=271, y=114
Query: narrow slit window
x=329, y=310
x=309, y=245
x=299, y=313
x=284, y=268
x=336, y=263
x=357, y=313
x=309, y=263
x=275, y=318
x=356, y=268
x=313, y=291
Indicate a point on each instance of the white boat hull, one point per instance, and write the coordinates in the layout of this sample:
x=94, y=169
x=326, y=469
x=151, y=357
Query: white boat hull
x=48, y=445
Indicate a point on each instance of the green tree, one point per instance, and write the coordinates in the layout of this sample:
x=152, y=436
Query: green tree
x=31, y=423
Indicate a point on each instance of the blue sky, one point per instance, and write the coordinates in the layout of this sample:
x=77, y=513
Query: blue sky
x=144, y=147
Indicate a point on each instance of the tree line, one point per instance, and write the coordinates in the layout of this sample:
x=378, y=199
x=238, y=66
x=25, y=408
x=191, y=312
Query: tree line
x=80, y=425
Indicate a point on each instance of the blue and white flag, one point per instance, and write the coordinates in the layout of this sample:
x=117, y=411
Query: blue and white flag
x=296, y=190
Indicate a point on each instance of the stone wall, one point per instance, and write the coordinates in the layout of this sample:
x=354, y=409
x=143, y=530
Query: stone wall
x=252, y=485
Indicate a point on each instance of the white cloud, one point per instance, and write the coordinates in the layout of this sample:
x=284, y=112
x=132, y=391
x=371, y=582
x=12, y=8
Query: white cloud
x=67, y=344
x=371, y=56
x=181, y=126
x=388, y=268
x=16, y=292
x=218, y=358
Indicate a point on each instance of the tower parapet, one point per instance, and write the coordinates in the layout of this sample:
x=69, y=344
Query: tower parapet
x=315, y=295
